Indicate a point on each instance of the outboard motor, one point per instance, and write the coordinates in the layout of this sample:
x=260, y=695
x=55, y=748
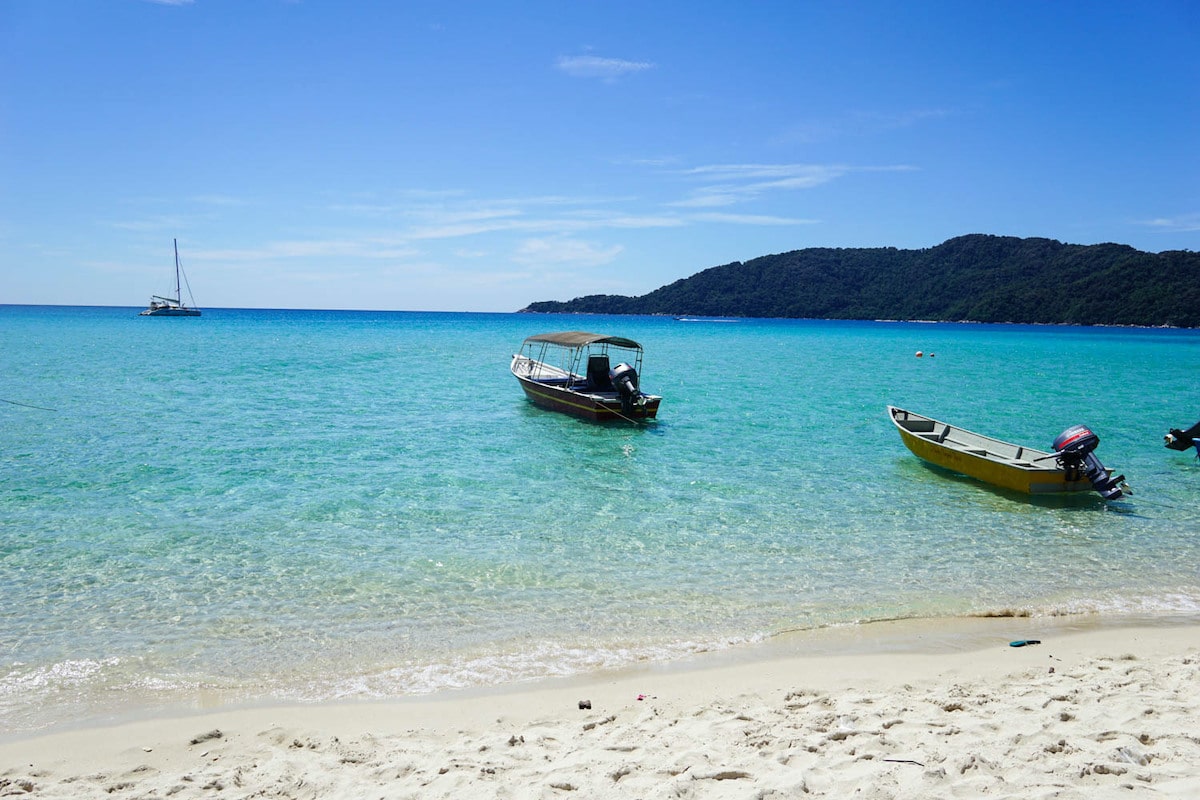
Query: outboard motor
x=1074, y=447
x=1182, y=440
x=625, y=380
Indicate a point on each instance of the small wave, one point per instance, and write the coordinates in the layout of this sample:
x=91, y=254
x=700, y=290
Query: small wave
x=489, y=670
x=47, y=680
x=38, y=698
x=76, y=690
x=1132, y=605
x=1183, y=602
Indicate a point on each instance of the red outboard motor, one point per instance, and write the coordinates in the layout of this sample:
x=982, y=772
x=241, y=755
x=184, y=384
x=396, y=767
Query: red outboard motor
x=625, y=380
x=1074, y=447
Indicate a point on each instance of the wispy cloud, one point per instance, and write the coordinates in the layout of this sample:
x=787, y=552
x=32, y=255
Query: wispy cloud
x=569, y=236
x=739, y=183
x=219, y=200
x=317, y=248
x=862, y=123
x=1184, y=223
x=452, y=223
x=597, y=67
x=562, y=250
x=751, y=219
x=162, y=222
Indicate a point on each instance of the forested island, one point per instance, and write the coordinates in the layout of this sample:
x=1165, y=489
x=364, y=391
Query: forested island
x=978, y=278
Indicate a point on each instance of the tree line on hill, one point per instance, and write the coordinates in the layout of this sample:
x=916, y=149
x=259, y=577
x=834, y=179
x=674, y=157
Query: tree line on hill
x=978, y=278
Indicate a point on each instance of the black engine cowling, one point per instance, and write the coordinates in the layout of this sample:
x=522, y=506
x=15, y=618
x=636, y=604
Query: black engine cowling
x=1075, y=448
x=1178, y=439
x=625, y=380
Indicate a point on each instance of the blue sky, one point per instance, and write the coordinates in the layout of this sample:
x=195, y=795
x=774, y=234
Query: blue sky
x=481, y=156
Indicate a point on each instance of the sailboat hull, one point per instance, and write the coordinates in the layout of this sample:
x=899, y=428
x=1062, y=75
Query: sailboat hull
x=170, y=312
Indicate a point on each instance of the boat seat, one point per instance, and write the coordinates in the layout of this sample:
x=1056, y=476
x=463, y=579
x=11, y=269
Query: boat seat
x=597, y=373
x=936, y=436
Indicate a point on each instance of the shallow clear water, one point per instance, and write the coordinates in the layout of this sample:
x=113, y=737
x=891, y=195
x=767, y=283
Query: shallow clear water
x=292, y=505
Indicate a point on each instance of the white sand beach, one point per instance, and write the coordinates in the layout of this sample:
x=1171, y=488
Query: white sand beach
x=1104, y=713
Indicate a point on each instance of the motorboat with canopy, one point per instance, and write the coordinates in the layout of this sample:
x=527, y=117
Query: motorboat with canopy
x=573, y=372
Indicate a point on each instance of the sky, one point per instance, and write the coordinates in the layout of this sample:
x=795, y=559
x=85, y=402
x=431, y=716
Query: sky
x=480, y=156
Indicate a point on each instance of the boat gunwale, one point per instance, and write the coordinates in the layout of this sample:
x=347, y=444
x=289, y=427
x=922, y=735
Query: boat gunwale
x=1026, y=462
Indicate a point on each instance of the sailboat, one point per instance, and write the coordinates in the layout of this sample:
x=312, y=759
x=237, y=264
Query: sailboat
x=172, y=306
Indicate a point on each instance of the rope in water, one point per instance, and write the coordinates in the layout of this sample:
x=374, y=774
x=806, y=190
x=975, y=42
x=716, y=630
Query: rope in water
x=628, y=419
x=25, y=405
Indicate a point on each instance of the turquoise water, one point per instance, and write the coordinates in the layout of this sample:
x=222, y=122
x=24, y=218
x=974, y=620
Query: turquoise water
x=298, y=505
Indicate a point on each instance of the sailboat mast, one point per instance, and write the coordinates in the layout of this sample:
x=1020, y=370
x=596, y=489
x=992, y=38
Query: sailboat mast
x=178, y=293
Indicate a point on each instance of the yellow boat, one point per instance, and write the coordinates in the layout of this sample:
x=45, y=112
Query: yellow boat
x=1011, y=466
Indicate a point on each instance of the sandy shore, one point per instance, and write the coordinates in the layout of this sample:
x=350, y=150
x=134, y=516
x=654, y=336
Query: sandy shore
x=1105, y=713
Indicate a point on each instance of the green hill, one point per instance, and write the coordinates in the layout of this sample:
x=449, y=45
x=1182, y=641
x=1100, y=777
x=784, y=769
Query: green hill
x=977, y=278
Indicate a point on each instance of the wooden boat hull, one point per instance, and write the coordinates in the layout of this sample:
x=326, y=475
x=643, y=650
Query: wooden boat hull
x=594, y=407
x=999, y=463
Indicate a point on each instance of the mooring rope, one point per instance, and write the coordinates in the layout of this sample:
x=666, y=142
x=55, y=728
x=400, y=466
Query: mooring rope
x=628, y=419
x=25, y=405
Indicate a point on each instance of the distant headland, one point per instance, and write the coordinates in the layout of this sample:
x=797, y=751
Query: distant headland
x=978, y=278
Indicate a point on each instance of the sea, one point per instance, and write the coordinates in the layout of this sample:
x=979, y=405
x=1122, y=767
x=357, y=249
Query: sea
x=265, y=506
